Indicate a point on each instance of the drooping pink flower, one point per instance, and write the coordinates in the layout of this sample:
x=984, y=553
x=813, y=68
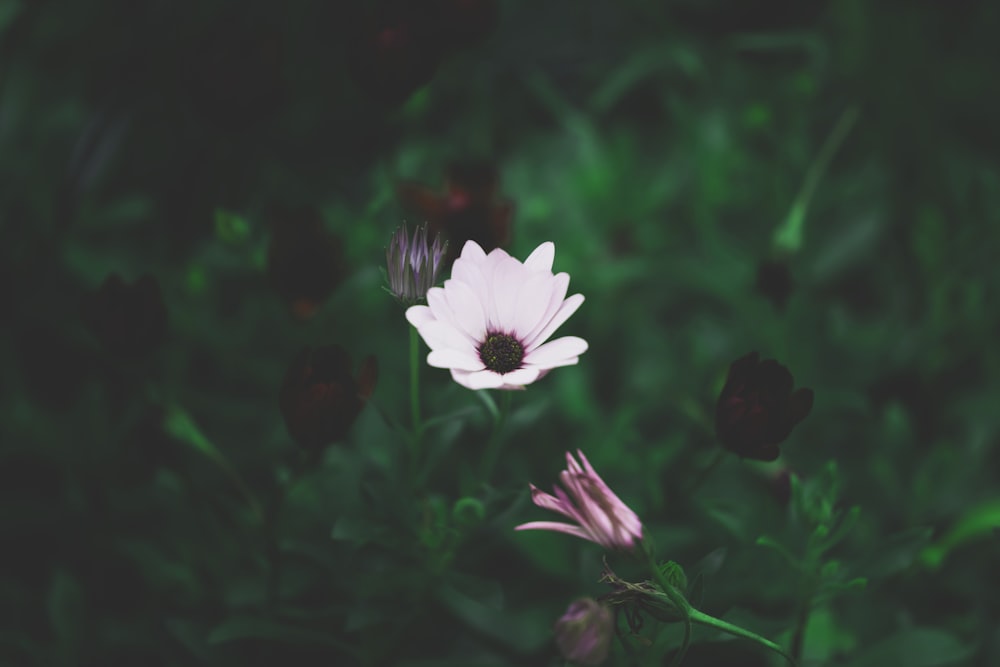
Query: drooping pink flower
x=597, y=513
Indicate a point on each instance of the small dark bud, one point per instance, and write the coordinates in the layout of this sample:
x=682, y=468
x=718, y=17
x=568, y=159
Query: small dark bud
x=304, y=261
x=583, y=633
x=757, y=408
x=321, y=397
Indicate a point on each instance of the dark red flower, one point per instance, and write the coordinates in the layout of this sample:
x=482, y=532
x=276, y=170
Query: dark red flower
x=129, y=319
x=321, y=398
x=304, y=261
x=392, y=50
x=465, y=23
x=774, y=281
x=757, y=408
x=469, y=209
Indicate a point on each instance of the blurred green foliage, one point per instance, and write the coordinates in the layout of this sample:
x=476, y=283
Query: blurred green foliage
x=156, y=512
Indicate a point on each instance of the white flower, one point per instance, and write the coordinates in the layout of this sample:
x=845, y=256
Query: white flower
x=490, y=321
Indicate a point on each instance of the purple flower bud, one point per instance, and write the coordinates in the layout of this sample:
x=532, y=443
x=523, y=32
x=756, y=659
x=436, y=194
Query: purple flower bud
x=583, y=633
x=413, y=265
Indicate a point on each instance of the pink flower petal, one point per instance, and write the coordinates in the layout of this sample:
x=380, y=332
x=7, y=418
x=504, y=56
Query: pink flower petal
x=542, y=257
x=568, y=307
x=555, y=526
x=454, y=359
x=567, y=348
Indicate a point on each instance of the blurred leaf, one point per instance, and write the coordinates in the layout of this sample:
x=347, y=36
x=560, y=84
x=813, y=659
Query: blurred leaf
x=231, y=227
x=894, y=554
x=66, y=614
x=524, y=632
x=916, y=647
x=977, y=522
x=9, y=9
x=251, y=627
x=825, y=637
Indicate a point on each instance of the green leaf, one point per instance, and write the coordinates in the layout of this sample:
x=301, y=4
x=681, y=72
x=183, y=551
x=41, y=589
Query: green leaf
x=525, y=632
x=231, y=227
x=896, y=553
x=66, y=614
x=251, y=627
x=979, y=521
x=916, y=647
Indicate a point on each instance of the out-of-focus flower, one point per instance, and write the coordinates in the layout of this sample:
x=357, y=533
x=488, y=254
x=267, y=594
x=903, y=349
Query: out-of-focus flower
x=465, y=23
x=490, y=321
x=757, y=408
x=412, y=265
x=469, y=209
x=304, y=261
x=321, y=398
x=129, y=319
x=774, y=281
x=392, y=50
x=583, y=633
x=598, y=514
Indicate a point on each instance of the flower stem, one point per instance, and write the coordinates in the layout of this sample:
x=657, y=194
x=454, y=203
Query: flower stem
x=675, y=597
x=717, y=623
x=415, y=393
x=492, y=453
x=720, y=455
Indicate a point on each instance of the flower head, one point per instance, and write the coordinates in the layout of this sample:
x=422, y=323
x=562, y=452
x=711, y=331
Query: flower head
x=490, y=321
x=598, y=514
x=304, y=261
x=320, y=397
x=757, y=408
x=412, y=265
x=583, y=633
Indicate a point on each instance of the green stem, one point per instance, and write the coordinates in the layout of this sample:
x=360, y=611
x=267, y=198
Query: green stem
x=676, y=598
x=720, y=455
x=493, y=447
x=415, y=393
x=788, y=237
x=702, y=618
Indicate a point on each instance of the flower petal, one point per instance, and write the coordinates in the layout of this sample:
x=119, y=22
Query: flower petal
x=533, y=299
x=450, y=358
x=506, y=283
x=550, y=354
x=444, y=336
x=568, y=307
x=467, y=308
x=541, y=258
x=521, y=377
x=483, y=380
x=418, y=315
x=557, y=527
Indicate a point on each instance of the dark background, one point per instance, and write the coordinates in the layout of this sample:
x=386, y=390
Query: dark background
x=663, y=146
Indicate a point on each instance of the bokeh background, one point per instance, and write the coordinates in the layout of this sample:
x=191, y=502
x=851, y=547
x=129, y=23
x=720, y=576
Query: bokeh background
x=816, y=180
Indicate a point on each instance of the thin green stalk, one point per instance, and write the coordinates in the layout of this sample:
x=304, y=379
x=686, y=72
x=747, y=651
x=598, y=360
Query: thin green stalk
x=717, y=623
x=720, y=455
x=415, y=392
x=788, y=237
x=495, y=443
x=678, y=600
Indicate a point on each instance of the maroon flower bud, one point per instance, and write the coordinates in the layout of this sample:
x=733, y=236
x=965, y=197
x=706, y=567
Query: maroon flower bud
x=304, y=261
x=321, y=398
x=583, y=633
x=774, y=282
x=469, y=209
x=757, y=408
x=392, y=50
x=130, y=320
x=465, y=23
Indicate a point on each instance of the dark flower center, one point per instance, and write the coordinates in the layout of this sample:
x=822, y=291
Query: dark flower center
x=501, y=353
